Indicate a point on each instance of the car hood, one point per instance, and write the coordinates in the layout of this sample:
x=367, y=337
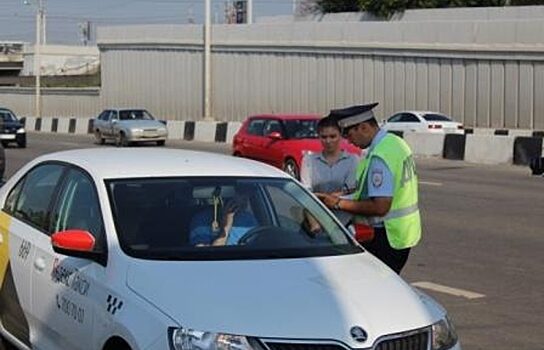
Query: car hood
x=309, y=298
x=11, y=124
x=143, y=124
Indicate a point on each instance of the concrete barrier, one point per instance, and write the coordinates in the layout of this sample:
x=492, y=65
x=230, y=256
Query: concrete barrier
x=526, y=149
x=483, y=132
x=46, y=124
x=63, y=125
x=232, y=129
x=520, y=132
x=81, y=125
x=205, y=131
x=486, y=149
x=175, y=129
x=29, y=123
x=425, y=144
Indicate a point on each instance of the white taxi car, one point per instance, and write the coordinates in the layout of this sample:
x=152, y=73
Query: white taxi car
x=170, y=249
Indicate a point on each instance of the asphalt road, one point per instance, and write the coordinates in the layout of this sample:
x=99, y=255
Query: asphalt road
x=482, y=251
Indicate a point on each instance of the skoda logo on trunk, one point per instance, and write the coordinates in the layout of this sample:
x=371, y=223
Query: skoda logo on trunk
x=358, y=334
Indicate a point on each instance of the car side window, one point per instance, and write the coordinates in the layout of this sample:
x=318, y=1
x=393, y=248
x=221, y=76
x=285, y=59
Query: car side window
x=273, y=126
x=409, y=118
x=256, y=127
x=38, y=189
x=114, y=115
x=395, y=119
x=78, y=206
x=104, y=115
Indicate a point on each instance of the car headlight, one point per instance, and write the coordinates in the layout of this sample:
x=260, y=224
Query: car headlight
x=162, y=130
x=443, y=335
x=188, y=339
x=21, y=130
x=136, y=131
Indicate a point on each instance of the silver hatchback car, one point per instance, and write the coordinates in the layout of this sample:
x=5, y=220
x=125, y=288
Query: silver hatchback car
x=126, y=126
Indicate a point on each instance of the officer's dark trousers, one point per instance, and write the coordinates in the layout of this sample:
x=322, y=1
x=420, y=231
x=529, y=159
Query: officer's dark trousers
x=379, y=247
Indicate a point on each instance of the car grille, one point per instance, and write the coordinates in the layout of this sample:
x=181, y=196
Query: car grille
x=150, y=132
x=295, y=346
x=416, y=340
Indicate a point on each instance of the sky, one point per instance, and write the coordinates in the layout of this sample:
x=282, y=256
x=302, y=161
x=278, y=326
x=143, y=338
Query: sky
x=63, y=17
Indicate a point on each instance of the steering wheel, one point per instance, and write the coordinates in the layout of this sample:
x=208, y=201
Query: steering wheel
x=254, y=233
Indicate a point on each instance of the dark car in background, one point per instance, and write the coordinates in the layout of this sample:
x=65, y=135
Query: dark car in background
x=11, y=129
x=281, y=140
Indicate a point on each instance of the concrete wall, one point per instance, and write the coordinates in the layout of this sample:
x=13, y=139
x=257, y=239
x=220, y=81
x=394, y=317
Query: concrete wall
x=483, y=73
x=55, y=102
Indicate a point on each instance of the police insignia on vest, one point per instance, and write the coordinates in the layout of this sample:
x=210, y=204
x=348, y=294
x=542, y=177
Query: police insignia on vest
x=377, y=177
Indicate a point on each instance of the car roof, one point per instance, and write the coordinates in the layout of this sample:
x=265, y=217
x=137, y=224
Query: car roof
x=288, y=116
x=109, y=163
x=422, y=112
x=124, y=109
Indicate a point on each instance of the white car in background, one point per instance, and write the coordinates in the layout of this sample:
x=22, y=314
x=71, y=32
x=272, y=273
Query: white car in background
x=102, y=249
x=423, y=121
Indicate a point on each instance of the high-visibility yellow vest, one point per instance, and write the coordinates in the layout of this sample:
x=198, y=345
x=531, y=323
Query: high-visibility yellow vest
x=402, y=222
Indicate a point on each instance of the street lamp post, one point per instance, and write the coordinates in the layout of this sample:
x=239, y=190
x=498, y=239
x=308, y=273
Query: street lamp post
x=207, y=65
x=40, y=26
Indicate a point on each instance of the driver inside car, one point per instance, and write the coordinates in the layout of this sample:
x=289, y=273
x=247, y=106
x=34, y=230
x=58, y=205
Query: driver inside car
x=236, y=220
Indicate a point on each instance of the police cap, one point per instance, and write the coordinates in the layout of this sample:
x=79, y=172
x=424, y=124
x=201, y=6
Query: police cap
x=353, y=115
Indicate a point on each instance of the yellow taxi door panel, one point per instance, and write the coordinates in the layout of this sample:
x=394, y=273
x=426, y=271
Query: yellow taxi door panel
x=16, y=255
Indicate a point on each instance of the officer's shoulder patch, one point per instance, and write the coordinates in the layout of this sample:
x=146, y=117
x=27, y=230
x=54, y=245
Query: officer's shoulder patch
x=377, y=177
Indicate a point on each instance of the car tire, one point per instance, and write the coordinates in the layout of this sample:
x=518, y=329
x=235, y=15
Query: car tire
x=122, y=140
x=98, y=136
x=291, y=168
x=161, y=143
x=5, y=144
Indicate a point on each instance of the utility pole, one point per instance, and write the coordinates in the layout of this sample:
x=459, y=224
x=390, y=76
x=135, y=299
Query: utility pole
x=37, y=59
x=249, y=14
x=207, y=65
x=40, y=38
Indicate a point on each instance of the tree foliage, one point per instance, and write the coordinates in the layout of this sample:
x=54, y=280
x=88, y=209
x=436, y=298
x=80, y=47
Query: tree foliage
x=386, y=8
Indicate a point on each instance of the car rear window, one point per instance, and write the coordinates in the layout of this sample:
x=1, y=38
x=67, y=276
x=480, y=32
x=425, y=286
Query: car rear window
x=436, y=118
x=187, y=219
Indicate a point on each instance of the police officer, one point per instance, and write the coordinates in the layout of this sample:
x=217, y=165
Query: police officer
x=387, y=192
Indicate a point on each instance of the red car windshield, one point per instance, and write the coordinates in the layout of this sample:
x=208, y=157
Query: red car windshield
x=301, y=129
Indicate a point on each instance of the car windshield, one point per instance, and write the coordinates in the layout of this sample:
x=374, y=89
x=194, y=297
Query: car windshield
x=223, y=219
x=436, y=118
x=7, y=116
x=301, y=129
x=137, y=114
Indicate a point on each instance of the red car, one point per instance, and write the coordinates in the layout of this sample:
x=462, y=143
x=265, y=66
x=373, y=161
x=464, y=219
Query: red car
x=280, y=140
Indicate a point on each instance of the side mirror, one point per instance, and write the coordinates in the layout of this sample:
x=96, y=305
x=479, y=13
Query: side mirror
x=275, y=135
x=114, y=121
x=77, y=243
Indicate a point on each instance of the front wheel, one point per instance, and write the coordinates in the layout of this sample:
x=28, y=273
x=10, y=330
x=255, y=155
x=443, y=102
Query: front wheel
x=122, y=140
x=291, y=168
x=99, y=138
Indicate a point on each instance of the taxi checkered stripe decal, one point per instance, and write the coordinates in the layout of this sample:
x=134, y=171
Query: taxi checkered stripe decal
x=114, y=304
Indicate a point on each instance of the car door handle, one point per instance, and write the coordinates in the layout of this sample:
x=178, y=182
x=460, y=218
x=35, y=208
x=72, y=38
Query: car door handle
x=39, y=264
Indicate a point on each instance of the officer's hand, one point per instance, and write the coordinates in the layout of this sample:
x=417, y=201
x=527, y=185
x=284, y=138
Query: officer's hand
x=327, y=199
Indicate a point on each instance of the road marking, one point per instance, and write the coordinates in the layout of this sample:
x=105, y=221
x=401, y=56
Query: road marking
x=430, y=183
x=448, y=290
